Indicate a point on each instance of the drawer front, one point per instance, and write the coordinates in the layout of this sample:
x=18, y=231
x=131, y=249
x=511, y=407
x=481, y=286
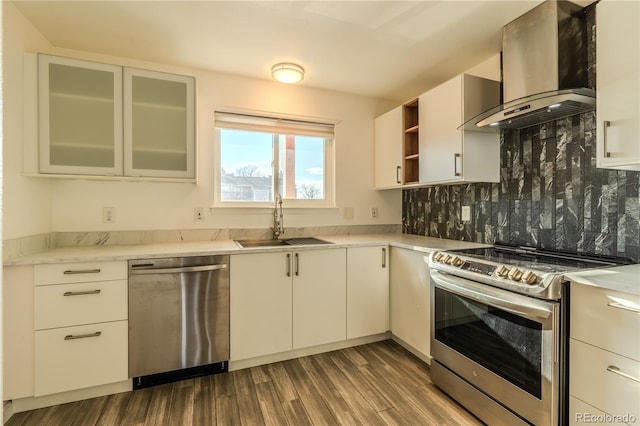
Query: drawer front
x=611, y=392
x=68, y=359
x=599, y=317
x=65, y=305
x=581, y=413
x=79, y=272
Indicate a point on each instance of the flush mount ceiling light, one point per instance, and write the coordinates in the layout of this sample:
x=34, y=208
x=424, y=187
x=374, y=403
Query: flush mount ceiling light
x=287, y=73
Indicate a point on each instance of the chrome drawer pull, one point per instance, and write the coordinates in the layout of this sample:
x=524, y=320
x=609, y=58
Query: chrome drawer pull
x=81, y=293
x=81, y=271
x=605, y=148
x=616, y=370
x=621, y=306
x=82, y=336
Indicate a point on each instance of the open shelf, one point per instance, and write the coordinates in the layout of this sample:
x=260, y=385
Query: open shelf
x=410, y=142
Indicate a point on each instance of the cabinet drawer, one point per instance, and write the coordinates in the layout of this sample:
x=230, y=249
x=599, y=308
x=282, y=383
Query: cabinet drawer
x=592, y=382
x=599, y=317
x=67, y=358
x=581, y=413
x=79, y=272
x=66, y=305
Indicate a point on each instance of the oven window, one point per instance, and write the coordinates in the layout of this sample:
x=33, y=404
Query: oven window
x=504, y=343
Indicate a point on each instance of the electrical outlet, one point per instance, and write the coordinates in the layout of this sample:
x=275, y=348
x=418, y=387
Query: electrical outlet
x=373, y=213
x=108, y=214
x=198, y=214
x=465, y=214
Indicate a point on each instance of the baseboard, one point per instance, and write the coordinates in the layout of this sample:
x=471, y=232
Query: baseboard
x=33, y=403
x=414, y=351
x=7, y=411
x=284, y=356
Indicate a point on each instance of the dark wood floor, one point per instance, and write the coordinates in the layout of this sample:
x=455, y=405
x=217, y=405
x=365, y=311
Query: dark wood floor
x=376, y=384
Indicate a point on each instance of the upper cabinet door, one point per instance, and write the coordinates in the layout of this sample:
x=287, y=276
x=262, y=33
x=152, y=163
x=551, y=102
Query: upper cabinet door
x=159, y=124
x=618, y=84
x=80, y=117
x=440, y=139
x=388, y=149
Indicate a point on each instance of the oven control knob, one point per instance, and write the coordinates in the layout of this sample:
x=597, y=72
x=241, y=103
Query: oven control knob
x=515, y=274
x=529, y=277
x=448, y=259
x=502, y=271
x=438, y=256
x=457, y=261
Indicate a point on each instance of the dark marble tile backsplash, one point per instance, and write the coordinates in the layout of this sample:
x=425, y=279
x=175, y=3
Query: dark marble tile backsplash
x=550, y=195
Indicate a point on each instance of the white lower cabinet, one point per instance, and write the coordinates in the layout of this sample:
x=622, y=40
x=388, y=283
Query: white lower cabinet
x=319, y=297
x=410, y=299
x=260, y=304
x=17, y=332
x=604, y=375
x=80, y=325
x=367, y=291
x=286, y=300
x=72, y=358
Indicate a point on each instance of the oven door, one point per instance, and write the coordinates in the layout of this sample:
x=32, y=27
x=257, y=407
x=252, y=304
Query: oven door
x=504, y=344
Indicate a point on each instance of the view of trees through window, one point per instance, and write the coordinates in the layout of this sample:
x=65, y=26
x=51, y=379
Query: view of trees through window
x=248, y=160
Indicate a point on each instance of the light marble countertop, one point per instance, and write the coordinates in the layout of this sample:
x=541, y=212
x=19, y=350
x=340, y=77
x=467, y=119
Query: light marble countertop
x=200, y=248
x=625, y=279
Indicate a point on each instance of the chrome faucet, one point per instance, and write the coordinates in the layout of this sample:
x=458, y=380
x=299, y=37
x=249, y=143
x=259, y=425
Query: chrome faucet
x=278, y=220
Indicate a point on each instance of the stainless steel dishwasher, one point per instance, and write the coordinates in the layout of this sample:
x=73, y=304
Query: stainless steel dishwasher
x=178, y=318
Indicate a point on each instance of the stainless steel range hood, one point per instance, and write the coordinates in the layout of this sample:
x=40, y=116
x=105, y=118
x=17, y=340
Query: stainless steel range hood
x=544, y=69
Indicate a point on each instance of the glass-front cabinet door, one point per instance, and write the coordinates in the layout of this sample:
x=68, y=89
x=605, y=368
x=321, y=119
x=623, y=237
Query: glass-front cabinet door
x=159, y=124
x=80, y=110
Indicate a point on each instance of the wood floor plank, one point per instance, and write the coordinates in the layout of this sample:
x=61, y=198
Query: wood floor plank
x=137, y=406
x=296, y=414
x=159, y=406
x=309, y=395
x=282, y=382
x=115, y=405
x=251, y=413
x=358, y=405
x=89, y=411
x=224, y=385
x=227, y=410
x=393, y=417
x=272, y=410
x=204, y=401
x=259, y=374
x=351, y=372
x=181, y=408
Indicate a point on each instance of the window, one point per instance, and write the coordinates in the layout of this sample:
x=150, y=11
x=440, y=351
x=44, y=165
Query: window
x=259, y=157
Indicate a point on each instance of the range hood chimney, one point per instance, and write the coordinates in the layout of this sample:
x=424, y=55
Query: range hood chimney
x=544, y=69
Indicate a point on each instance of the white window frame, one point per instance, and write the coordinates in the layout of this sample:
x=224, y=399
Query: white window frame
x=278, y=125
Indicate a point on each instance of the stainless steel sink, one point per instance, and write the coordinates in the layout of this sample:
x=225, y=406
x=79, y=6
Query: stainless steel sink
x=302, y=241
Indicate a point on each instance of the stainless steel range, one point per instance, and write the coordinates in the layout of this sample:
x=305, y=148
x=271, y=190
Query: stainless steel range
x=499, y=327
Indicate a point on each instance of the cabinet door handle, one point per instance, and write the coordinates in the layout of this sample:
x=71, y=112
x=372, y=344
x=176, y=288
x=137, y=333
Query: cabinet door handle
x=82, y=336
x=398, y=168
x=81, y=271
x=297, y=271
x=288, y=264
x=384, y=257
x=605, y=148
x=621, y=306
x=455, y=164
x=81, y=293
x=616, y=370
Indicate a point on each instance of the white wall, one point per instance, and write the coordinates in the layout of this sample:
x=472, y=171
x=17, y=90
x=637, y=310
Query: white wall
x=26, y=201
x=76, y=205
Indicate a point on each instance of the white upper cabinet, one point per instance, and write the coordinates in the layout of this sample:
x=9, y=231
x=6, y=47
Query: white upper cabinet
x=106, y=120
x=80, y=111
x=618, y=84
x=388, y=149
x=449, y=155
x=159, y=126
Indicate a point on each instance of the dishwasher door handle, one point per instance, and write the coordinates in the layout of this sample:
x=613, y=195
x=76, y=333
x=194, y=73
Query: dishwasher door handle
x=177, y=270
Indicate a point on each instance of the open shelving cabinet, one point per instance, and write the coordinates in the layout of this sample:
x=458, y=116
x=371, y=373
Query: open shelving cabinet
x=410, y=144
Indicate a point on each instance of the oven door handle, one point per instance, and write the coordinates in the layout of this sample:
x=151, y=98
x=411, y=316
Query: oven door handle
x=510, y=302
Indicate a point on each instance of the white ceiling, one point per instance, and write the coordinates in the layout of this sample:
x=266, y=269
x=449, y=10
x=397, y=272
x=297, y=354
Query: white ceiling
x=386, y=49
